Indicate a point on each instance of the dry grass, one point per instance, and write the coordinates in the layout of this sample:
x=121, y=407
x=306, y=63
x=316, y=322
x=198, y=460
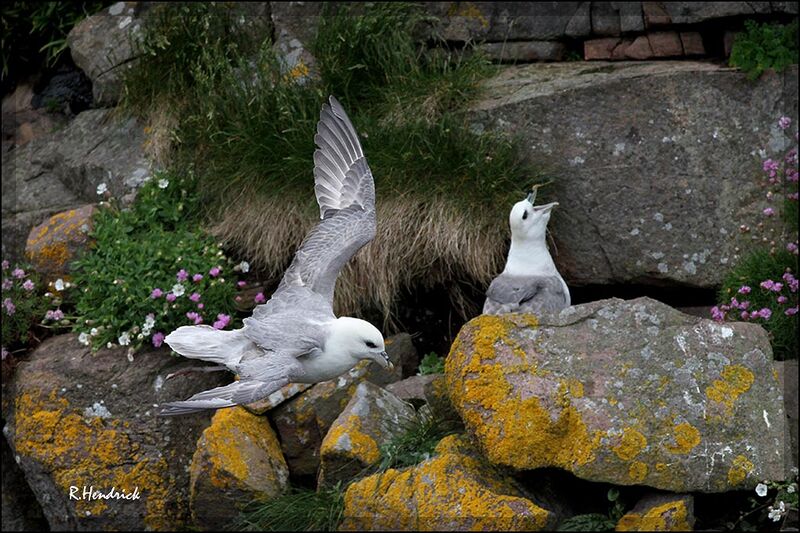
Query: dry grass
x=423, y=243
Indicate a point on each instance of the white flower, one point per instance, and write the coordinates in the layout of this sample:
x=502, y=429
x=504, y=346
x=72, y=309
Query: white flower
x=109, y=344
x=244, y=266
x=124, y=339
x=163, y=183
x=93, y=332
x=83, y=338
x=102, y=188
x=178, y=289
x=791, y=488
x=761, y=490
x=776, y=514
x=59, y=285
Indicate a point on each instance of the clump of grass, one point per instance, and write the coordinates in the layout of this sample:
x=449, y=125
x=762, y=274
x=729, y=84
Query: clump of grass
x=296, y=510
x=417, y=443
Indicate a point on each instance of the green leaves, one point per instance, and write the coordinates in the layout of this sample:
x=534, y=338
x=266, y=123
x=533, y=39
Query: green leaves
x=431, y=364
x=765, y=46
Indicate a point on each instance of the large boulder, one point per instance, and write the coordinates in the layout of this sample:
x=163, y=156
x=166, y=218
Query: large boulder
x=20, y=510
x=55, y=243
x=453, y=491
x=79, y=422
x=660, y=512
x=625, y=392
x=238, y=459
x=656, y=162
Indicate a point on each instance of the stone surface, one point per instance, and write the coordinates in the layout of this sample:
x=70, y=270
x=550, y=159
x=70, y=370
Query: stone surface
x=660, y=512
x=20, y=510
x=62, y=170
x=631, y=16
x=276, y=398
x=238, y=459
x=692, y=43
x=55, y=243
x=605, y=18
x=694, y=12
x=438, y=401
x=303, y=422
x=655, y=14
x=665, y=44
x=625, y=392
x=787, y=375
x=412, y=388
x=453, y=491
x=580, y=25
x=639, y=48
x=524, y=51
x=403, y=354
x=600, y=48
x=103, y=47
x=372, y=418
x=657, y=162
x=98, y=428
x=23, y=123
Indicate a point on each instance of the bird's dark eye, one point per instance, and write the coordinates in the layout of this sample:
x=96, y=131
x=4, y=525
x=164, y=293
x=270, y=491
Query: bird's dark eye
x=371, y=344
x=524, y=215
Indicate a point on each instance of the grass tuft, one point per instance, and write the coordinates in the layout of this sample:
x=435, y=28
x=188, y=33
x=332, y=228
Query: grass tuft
x=296, y=510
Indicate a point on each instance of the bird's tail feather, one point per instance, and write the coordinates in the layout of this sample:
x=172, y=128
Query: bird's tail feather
x=210, y=344
x=226, y=396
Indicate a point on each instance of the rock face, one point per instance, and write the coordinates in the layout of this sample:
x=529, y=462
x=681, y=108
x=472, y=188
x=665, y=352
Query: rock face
x=76, y=428
x=238, y=459
x=20, y=510
x=662, y=512
x=453, y=491
x=62, y=170
x=626, y=392
x=652, y=175
x=56, y=242
x=371, y=418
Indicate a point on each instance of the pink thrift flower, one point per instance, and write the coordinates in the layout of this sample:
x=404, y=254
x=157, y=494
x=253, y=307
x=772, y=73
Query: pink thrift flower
x=157, y=293
x=9, y=305
x=58, y=314
x=182, y=275
x=792, y=247
x=734, y=303
x=745, y=315
x=241, y=284
x=782, y=299
x=744, y=289
x=222, y=321
x=18, y=273
x=791, y=311
x=197, y=277
x=171, y=297
x=769, y=212
x=765, y=313
x=260, y=299
x=776, y=287
x=195, y=297
x=200, y=305
x=5, y=267
x=158, y=339
x=768, y=284
x=717, y=314
x=28, y=285
x=191, y=315
x=7, y=284
x=784, y=122
x=214, y=272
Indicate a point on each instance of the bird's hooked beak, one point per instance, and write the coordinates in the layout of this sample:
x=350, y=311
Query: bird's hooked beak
x=385, y=362
x=546, y=207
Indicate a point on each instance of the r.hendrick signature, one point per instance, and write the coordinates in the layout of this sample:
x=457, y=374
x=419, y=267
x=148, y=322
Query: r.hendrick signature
x=88, y=493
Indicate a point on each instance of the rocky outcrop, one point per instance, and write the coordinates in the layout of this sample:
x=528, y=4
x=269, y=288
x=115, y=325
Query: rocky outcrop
x=238, y=459
x=87, y=422
x=372, y=418
x=656, y=162
x=660, y=512
x=20, y=510
x=55, y=243
x=453, y=491
x=625, y=392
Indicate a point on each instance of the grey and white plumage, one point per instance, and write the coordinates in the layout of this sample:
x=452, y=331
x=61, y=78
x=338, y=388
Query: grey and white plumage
x=530, y=282
x=295, y=337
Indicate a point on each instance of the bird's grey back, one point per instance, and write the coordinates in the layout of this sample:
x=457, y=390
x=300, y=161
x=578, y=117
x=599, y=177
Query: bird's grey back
x=525, y=294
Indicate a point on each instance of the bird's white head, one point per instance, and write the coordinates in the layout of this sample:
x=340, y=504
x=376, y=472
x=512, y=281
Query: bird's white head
x=360, y=340
x=529, y=222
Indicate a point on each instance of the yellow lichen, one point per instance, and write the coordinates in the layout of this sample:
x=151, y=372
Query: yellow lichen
x=671, y=516
x=468, y=10
x=686, y=438
x=631, y=444
x=362, y=446
x=736, y=380
x=637, y=471
x=300, y=70
x=739, y=470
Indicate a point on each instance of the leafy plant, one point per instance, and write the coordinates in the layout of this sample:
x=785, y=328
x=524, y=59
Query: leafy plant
x=296, y=510
x=23, y=305
x=765, y=46
x=417, y=443
x=769, y=508
x=597, y=521
x=150, y=270
x=431, y=364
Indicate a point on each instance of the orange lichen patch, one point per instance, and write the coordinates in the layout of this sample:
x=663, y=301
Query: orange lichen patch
x=686, y=438
x=660, y=467
x=631, y=444
x=468, y=10
x=736, y=380
x=348, y=439
x=740, y=469
x=671, y=516
x=637, y=471
x=453, y=490
x=300, y=70
x=91, y=452
x=48, y=245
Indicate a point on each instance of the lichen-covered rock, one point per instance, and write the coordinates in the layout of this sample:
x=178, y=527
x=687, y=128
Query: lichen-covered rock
x=625, y=392
x=453, y=491
x=304, y=421
x=635, y=145
x=55, y=243
x=372, y=417
x=238, y=459
x=81, y=421
x=276, y=398
x=662, y=512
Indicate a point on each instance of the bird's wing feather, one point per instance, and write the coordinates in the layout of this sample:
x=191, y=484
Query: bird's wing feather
x=508, y=294
x=236, y=393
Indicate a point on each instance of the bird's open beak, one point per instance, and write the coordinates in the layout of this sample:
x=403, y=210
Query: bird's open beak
x=545, y=207
x=385, y=362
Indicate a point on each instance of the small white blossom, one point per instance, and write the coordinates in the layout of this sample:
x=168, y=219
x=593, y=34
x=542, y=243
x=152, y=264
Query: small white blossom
x=178, y=289
x=163, y=183
x=109, y=345
x=761, y=490
x=791, y=488
x=59, y=284
x=124, y=339
x=102, y=188
x=244, y=266
x=149, y=321
x=83, y=338
x=93, y=332
x=775, y=514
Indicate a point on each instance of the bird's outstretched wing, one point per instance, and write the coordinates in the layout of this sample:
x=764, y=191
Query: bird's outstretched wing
x=346, y=196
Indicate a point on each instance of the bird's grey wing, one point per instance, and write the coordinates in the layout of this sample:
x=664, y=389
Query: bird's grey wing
x=551, y=296
x=346, y=196
x=507, y=293
x=236, y=393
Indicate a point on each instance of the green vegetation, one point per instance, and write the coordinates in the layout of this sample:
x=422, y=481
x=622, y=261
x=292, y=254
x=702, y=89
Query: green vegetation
x=23, y=305
x=296, y=510
x=431, y=364
x=417, y=443
x=144, y=262
x=247, y=123
x=765, y=46
x=597, y=521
